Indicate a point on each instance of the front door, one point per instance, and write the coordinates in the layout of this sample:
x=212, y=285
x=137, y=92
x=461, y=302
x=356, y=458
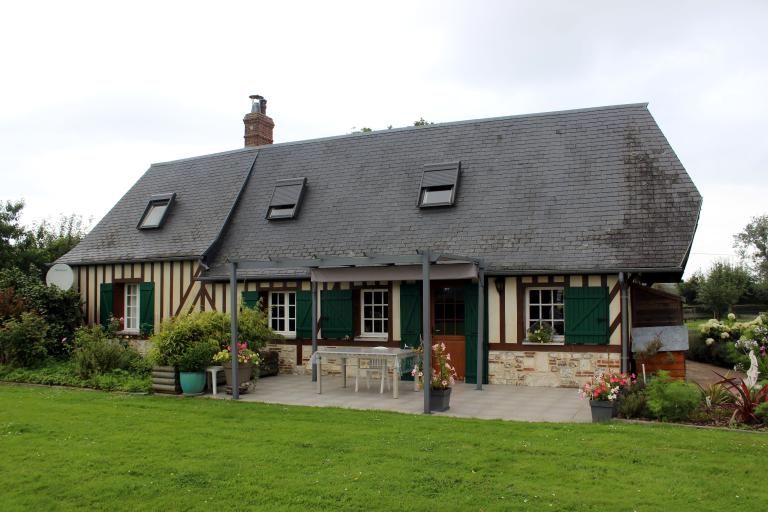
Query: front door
x=448, y=322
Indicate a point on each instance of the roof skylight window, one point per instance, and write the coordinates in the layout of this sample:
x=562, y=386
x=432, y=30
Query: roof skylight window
x=286, y=199
x=438, y=185
x=156, y=211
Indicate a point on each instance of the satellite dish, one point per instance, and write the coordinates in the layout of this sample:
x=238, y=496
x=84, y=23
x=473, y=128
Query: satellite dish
x=60, y=275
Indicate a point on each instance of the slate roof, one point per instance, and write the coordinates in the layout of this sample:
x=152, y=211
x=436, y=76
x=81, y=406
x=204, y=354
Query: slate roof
x=583, y=190
x=206, y=189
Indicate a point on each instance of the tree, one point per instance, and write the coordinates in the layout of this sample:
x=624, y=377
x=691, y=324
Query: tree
x=752, y=244
x=723, y=286
x=422, y=122
x=11, y=232
x=32, y=249
x=689, y=289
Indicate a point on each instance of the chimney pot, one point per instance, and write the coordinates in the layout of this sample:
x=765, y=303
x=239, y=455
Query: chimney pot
x=258, y=126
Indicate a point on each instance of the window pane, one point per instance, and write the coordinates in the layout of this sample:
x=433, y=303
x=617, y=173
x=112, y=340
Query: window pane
x=385, y=325
x=459, y=328
x=558, y=312
x=436, y=195
x=559, y=328
x=533, y=313
x=368, y=312
x=533, y=296
x=291, y=325
x=546, y=296
x=154, y=215
x=292, y=298
x=558, y=296
x=281, y=212
x=368, y=326
x=546, y=312
x=385, y=297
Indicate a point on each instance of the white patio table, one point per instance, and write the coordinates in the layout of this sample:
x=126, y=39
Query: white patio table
x=396, y=355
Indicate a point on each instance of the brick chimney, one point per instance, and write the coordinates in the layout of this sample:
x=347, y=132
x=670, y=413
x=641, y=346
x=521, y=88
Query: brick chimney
x=258, y=126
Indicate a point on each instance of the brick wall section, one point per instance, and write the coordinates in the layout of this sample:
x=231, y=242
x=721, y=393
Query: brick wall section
x=554, y=369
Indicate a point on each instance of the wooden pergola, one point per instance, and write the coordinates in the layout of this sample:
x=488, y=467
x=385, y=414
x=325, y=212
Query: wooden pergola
x=425, y=258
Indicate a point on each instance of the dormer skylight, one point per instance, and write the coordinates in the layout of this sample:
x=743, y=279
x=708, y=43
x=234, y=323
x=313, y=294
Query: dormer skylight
x=286, y=199
x=438, y=184
x=156, y=211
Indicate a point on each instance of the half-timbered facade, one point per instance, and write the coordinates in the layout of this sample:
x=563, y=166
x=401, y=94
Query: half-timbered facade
x=559, y=206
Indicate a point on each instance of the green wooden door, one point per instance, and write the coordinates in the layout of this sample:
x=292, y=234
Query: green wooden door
x=470, y=333
x=336, y=310
x=106, y=301
x=304, y=314
x=250, y=299
x=586, y=316
x=147, y=308
x=410, y=314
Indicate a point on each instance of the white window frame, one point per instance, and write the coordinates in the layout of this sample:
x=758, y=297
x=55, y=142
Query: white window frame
x=131, y=321
x=557, y=339
x=387, y=305
x=287, y=313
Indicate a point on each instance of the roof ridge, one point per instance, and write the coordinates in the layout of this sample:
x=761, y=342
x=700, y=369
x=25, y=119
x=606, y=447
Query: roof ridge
x=409, y=128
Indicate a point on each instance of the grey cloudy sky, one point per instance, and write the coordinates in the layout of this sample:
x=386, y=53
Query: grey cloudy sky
x=92, y=93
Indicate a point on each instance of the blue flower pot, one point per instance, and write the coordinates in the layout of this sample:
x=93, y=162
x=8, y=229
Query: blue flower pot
x=192, y=383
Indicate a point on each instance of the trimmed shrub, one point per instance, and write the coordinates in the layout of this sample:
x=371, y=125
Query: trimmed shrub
x=23, y=341
x=198, y=357
x=96, y=354
x=672, y=400
x=60, y=309
x=178, y=334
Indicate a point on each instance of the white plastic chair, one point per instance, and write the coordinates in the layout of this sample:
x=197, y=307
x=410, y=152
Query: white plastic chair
x=372, y=366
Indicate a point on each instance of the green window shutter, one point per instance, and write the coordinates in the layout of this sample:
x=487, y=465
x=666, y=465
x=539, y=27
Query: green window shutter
x=336, y=309
x=250, y=299
x=470, y=334
x=304, y=314
x=147, y=308
x=586, y=316
x=410, y=314
x=106, y=301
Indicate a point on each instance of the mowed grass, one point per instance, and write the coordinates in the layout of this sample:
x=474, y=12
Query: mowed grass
x=64, y=449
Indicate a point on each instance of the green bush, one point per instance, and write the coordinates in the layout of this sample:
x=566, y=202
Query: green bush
x=197, y=357
x=96, y=354
x=672, y=400
x=178, y=334
x=60, y=309
x=23, y=341
x=58, y=373
x=719, y=353
x=634, y=402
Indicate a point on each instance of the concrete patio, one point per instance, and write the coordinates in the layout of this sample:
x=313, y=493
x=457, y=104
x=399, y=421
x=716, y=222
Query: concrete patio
x=516, y=403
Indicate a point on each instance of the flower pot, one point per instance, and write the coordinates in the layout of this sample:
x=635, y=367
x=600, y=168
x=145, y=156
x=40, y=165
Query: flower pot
x=244, y=371
x=439, y=399
x=602, y=410
x=192, y=383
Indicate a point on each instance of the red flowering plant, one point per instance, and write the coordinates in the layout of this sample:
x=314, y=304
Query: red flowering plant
x=244, y=354
x=606, y=386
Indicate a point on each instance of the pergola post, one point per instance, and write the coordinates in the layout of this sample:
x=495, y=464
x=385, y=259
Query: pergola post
x=313, y=287
x=480, y=324
x=426, y=329
x=233, y=338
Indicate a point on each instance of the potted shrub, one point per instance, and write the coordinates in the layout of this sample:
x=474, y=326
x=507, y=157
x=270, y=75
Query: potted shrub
x=192, y=365
x=603, y=393
x=443, y=377
x=246, y=359
x=541, y=333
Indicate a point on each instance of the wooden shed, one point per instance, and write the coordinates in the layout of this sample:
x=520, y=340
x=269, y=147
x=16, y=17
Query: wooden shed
x=656, y=313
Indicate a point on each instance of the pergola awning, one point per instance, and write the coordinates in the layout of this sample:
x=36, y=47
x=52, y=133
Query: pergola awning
x=393, y=273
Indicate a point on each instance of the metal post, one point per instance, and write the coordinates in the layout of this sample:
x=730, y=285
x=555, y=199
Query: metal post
x=233, y=339
x=624, y=305
x=426, y=328
x=313, y=287
x=480, y=324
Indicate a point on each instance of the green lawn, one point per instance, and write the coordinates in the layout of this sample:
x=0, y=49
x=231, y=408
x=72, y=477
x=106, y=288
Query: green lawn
x=66, y=449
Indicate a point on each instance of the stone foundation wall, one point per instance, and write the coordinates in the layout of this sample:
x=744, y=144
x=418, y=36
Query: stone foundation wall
x=287, y=356
x=554, y=369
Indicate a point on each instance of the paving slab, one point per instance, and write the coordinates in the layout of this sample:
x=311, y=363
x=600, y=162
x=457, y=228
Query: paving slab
x=518, y=403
